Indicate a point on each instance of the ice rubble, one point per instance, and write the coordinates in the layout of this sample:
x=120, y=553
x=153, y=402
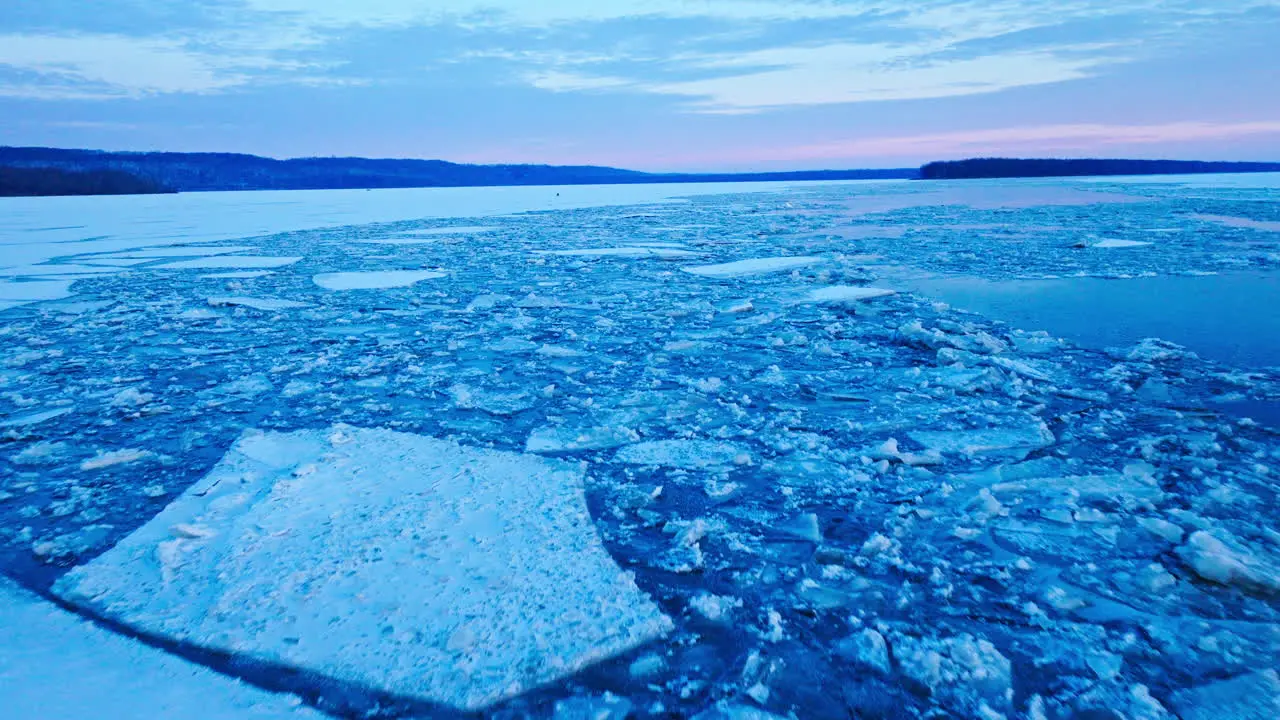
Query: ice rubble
x=56, y=666
x=374, y=279
x=295, y=549
x=754, y=266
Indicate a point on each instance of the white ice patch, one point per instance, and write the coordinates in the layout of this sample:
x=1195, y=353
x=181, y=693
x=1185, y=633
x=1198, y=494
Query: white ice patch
x=628, y=251
x=417, y=566
x=374, y=279
x=755, y=266
x=1113, y=243
x=680, y=453
x=232, y=261
x=56, y=666
x=843, y=294
x=269, y=304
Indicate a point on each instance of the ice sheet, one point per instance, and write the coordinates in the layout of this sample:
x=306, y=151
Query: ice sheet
x=395, y=561
x=232, y=261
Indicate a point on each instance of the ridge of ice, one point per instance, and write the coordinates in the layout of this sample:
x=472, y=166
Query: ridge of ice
x=424, y=568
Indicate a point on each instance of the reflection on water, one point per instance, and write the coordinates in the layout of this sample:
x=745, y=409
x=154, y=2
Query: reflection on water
x=1232, y=319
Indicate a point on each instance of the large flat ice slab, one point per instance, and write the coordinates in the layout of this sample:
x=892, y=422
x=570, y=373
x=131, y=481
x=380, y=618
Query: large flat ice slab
x=755, y=266
x=55, y=666
x=374, y=279
x=413, y=565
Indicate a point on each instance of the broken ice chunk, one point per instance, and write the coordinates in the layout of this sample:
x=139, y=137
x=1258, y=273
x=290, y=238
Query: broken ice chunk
x=1228, y=561
x=553, y=440
x=307, y=569
x=494, y=403
x=966, y=671
x=680, y=453
x=1016, y=440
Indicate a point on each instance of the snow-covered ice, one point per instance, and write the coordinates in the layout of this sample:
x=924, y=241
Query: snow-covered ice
x=56, y=666
x=390, y=560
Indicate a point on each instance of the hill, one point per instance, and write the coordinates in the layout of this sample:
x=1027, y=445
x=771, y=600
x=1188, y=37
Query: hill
x=26, y=182
x=191, y=172
x=1048, y=167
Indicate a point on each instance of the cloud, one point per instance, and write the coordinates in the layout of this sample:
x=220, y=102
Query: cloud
x=867, y=73
x=710, y=56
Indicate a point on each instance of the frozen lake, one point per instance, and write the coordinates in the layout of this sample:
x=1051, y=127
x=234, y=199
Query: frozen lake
x=970, y=448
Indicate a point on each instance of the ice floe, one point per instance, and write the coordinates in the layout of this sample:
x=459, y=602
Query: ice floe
x=681, y=453
x=842, y=294
x=374, y=279
x=754, y=266
x=626, y=252
x=296, y=548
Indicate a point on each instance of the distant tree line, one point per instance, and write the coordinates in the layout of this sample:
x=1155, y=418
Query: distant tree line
x=25, y=182
x=188, y=172
x=1014, y=167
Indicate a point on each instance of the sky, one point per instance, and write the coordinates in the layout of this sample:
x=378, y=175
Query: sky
x=686, y=85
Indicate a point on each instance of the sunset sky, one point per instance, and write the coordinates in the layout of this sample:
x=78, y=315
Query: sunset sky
x=647, y=84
